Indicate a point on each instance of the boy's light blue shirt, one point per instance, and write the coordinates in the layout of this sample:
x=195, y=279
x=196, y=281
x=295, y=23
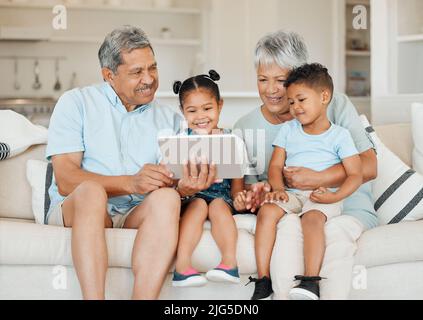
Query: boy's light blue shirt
x=114, y=142
x=316, y=152
x=340, y=112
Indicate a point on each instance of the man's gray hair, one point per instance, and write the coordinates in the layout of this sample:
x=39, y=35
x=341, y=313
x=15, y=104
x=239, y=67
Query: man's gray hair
x=124, y=39
x=286, y=49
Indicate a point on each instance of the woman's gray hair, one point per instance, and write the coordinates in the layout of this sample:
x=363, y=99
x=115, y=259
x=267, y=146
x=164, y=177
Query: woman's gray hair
x=286, y=49
x=124, y=39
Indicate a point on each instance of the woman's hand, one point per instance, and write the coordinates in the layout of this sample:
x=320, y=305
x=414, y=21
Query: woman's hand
x=302, y=178
x=275, y=196
x=323, y=195
x=194, y=181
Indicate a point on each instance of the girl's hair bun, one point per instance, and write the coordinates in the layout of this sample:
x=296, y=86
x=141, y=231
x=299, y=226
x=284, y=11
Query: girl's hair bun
x=214, y=75
x=177, y=86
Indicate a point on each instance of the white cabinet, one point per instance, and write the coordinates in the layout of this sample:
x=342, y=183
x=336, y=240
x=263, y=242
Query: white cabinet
x=397, y=64
x=175, y=28
x=398, y=30
x=409, y=45
x=358, y=50
x=354, y=51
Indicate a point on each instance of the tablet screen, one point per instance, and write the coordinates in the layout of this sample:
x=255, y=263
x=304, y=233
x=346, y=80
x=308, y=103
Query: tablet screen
x=227, y=152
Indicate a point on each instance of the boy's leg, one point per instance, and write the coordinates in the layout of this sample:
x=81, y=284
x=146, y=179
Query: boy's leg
x=224, y=231
x=190, y=231
x=313, y=224
x=267, y=220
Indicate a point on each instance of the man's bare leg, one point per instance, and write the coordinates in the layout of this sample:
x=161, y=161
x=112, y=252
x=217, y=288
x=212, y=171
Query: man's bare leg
x=157, y=221
x=85, y=211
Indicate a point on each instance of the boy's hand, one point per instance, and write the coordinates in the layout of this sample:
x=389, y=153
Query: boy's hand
x=323, y=195
x=278, y=195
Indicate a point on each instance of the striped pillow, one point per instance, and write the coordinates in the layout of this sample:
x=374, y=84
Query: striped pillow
x=4, y=150
x=398, y=189
x=40, y=175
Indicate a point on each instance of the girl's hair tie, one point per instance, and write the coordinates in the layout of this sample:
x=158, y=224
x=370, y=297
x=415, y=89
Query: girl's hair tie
x=177, y=86
x=214, y=75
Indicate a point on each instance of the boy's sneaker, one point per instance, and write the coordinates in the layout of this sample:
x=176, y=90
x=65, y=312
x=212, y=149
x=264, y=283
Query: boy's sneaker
x=223, y=273
x=263, y=288
x=308, y=289
x=190, y=278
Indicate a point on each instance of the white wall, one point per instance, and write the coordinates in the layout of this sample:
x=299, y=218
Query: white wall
x=237, y=25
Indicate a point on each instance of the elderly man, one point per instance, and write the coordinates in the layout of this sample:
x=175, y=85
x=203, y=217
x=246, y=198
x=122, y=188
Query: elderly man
x=103, y=147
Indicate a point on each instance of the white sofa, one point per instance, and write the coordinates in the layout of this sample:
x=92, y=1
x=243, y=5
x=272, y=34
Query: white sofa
x=36, y=262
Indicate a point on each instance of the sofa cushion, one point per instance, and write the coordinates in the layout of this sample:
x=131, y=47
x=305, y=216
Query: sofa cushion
x=15, y=191
x=397, y=138
x=34, y=244
x=390, y=244
x=417, y=128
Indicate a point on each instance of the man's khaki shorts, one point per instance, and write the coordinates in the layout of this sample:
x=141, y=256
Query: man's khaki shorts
x=56, y=217
x=300, y=203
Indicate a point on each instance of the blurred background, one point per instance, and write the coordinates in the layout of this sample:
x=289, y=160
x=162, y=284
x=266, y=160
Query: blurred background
x=380, y=65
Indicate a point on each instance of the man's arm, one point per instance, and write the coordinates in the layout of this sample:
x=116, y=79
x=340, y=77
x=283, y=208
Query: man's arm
x=69, y=174
x=306, y=179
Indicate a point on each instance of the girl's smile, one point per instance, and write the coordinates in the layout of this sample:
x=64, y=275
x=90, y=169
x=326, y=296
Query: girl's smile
x=201, y=110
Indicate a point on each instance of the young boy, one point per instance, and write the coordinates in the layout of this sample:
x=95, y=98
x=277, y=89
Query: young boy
x=313, y=142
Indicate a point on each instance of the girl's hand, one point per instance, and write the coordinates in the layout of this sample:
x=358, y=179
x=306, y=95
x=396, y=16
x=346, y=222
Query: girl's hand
x=275, y=196
x=240, y=201
x=323, y=195
x=194, y=181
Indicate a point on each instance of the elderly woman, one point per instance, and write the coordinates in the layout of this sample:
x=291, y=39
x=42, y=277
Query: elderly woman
x=275, y=55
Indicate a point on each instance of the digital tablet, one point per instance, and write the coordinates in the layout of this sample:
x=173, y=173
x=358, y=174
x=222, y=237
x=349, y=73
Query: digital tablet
x=226, y=151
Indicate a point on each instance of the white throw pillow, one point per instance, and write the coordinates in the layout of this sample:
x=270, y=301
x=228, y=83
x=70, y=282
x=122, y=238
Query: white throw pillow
x=417, y=129
x=17, y=134
x=39, y=175
x=397, y=190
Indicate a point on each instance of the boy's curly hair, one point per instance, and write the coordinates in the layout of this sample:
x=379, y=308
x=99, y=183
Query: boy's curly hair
x=313, y=75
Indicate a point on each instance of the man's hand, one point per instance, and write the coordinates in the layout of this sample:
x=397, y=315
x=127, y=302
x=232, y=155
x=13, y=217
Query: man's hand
x=256, y=195
x=193, y=182
x=150, y=178
x=278, y=195
x=323, y=195
x=301, y=178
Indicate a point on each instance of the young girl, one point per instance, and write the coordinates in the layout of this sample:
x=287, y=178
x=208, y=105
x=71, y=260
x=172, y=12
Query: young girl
x=201, y=105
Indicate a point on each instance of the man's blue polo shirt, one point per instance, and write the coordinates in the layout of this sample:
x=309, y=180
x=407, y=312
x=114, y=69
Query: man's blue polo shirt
x=114, y=142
